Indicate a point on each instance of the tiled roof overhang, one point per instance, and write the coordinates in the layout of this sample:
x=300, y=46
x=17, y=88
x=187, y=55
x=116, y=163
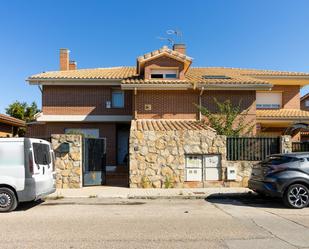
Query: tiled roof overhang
x=168, y=125
x=282, y=114
x=194, y=78
x=11, y=121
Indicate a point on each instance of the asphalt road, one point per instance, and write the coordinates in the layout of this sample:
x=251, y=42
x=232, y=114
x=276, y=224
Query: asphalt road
x=243, y=221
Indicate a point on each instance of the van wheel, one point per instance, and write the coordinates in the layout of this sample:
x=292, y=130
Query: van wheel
x=8, y=200
x=296, y=196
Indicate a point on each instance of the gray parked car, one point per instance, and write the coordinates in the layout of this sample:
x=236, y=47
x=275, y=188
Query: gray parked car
x=285, y=176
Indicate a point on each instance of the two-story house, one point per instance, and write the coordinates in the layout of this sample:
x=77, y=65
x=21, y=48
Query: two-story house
x=102, y=102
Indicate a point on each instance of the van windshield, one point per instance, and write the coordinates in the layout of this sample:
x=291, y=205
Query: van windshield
x=41, y=153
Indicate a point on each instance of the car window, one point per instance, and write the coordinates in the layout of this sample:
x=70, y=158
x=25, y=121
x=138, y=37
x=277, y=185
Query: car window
x=41, y=153
x=281, y=160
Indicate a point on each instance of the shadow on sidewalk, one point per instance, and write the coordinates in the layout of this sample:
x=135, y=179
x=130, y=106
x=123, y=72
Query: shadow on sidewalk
x=24, y=206
x=245, y=199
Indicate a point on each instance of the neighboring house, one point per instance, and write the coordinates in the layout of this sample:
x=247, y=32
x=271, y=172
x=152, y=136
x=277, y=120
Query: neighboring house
x=304, y=102
x=9, y=125
x=102, y=102
x=304, y=105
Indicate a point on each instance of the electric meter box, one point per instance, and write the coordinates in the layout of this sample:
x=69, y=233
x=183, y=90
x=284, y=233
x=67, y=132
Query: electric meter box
x=193, y=175
x=194, y=161
x=231, y=173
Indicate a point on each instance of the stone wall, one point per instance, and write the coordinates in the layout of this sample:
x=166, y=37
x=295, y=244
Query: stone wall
x=157, y=158
x=286, y=144
x=68, y=163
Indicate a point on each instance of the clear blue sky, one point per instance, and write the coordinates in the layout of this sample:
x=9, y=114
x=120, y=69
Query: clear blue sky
x=260, y=34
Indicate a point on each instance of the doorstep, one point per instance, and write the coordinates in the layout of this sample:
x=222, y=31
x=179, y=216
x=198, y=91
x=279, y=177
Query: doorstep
x=149, y=193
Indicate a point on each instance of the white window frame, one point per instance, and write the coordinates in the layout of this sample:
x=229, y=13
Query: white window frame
x=123, y=98
x=272, y=101
x=165, y=72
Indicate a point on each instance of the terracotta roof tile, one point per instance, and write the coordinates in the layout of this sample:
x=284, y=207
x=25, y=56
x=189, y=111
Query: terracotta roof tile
x=168, y=125
x=282, y=114
x=11, y=121
x=94, y=73
x=198, y=76
x=163, y=50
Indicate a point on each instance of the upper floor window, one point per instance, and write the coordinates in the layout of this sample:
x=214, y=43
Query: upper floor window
x=268, y=100
x=164, y=74
x=117, y=99
x=307, y=103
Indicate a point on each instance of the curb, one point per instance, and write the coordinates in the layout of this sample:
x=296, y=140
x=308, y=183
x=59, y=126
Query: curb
x=155, y=197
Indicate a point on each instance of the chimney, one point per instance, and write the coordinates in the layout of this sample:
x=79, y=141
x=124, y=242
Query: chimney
x=72, y=65
x=180, y=48
x=64, y=59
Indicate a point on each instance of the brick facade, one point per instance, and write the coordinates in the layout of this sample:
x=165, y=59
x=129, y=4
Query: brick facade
x=167, y=104
x=290, y=96
x=181, y=104
x=246, y=99
x=82, y=100
x=163, y=62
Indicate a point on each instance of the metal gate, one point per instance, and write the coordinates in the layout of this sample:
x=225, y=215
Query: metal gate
x=94, y=161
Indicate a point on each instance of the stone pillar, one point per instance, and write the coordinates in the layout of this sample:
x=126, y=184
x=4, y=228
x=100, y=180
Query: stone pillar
x=286, y=144
x=68, y=163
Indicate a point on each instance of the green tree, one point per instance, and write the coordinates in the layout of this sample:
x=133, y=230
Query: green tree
x=23, y=111
x=229, y=120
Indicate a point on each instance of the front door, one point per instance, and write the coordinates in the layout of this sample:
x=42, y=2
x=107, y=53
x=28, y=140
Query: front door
x=94, y=161
x=122, y=146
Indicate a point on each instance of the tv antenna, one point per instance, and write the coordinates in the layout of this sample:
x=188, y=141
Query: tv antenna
x=171, y=42
x=170, y=32
x=176, y=32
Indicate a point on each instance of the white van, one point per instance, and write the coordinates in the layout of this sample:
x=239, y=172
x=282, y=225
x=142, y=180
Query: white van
x=26, y=171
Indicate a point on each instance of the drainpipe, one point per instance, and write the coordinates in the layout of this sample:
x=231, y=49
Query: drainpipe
x=40, y=88
x=135, y=94
x=200, y=103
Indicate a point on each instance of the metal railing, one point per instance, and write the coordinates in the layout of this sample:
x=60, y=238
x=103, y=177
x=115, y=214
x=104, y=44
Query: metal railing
x=300, y=146
x=251, y=148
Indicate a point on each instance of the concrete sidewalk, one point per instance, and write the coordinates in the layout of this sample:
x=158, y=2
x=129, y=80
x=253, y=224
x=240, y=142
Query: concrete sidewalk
x=134, y=193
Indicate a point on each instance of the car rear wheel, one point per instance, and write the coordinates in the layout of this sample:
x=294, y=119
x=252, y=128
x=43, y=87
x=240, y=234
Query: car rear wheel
x=296, y=196
x=8, y=200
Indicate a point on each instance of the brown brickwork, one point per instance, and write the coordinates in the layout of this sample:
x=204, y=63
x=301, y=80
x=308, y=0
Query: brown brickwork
x=107, y=130
x=180, y=104
x=64, y=59
x=290, y=96
x=245, y=98
x=82, y=100
x=164, y=62
x=167, y=104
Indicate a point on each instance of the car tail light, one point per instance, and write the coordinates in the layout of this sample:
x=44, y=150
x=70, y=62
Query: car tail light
x=30, y=162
